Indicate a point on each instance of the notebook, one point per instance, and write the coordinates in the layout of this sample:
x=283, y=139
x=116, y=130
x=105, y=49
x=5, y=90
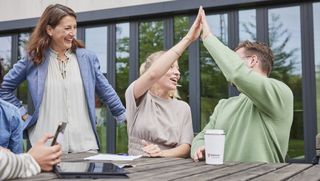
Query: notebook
x=89, y=170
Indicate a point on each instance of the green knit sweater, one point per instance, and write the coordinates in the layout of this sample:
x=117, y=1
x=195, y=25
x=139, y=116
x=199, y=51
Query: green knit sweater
x=258, y=121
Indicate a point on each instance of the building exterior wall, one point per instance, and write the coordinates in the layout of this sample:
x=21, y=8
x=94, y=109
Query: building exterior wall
x=22, y=9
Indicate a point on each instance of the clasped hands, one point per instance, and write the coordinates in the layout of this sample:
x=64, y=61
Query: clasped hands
x=151, y=150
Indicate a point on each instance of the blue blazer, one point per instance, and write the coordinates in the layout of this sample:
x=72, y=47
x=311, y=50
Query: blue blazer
x=93, y=81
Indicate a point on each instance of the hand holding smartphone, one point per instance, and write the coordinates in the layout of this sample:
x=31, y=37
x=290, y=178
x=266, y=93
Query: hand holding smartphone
x=59, y=133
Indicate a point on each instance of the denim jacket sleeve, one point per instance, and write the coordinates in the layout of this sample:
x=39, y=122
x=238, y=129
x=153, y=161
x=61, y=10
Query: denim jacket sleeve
x=15, y=143
x=107, y=94
x=11, y=81
x=10, y=127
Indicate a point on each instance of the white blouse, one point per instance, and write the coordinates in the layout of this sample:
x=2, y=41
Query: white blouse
x=64, y=100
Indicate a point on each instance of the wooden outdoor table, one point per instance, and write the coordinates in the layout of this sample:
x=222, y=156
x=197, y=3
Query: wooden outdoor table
x=185, y=169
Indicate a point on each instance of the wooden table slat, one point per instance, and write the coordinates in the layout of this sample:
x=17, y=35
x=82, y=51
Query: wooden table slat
x=254, y=172
x=310, y=174
x=284, y=173
x=163, y=171
x=143, y=168
x=196, y=170
x=217, y=173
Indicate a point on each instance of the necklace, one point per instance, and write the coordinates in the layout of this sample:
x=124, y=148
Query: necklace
x=63, y=66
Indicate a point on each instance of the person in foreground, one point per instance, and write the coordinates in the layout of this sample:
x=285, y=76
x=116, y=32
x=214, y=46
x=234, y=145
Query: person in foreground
x=159, y=125
x=39, y=157
x=257, y=123
x=63, y=79
x=10, y=124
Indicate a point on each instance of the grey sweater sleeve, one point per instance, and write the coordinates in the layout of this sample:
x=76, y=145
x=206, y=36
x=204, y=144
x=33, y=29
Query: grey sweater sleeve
x=17, y=165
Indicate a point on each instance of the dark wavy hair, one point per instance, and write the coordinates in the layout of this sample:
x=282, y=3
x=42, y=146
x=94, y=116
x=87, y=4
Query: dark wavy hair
x=40, y=40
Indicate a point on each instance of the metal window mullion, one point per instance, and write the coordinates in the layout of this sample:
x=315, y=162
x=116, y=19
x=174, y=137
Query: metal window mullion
x=133, y=51
x=168, y=33
x=262, y=25
x=81, y=33
x=308, y=81
x=14, y=48
x=111, y=71
x=233, y=40
x=194, y=81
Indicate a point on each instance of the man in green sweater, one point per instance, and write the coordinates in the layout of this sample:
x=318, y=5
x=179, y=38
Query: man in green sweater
x=257, y=123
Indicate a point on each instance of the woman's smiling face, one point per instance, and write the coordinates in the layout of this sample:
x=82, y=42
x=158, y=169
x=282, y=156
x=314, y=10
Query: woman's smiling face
x=169, y=81
x=63, y=34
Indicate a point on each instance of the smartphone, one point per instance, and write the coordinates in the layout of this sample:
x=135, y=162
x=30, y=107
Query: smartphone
x=59, y=133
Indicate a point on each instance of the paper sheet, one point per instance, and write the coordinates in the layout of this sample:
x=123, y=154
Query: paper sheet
x=112, y=157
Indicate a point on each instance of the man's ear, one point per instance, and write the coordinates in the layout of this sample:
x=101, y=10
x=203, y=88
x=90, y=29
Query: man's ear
x=253, y=61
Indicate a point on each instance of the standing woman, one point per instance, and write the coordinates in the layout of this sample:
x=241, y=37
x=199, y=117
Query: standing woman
x=158, y=124
x=63, y=78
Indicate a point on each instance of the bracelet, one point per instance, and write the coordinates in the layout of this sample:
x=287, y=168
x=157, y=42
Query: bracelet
x=179, y=55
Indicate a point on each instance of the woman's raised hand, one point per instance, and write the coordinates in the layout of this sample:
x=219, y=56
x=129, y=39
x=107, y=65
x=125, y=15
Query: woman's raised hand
x=195, y=29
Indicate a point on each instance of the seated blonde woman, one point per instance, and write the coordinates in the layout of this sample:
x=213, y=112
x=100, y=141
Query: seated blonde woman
x=159, y=125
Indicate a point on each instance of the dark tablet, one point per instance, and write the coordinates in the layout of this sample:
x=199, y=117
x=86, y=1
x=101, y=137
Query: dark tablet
x=89, y=170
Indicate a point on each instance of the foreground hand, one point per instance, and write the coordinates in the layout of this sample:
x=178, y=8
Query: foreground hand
x=205, y=26
x=46, y=156
x=199, y=154
x=151, y=150
x=195, y=29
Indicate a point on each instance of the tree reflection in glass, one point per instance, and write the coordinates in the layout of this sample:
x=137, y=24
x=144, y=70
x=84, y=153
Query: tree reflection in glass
x=122, y=79
x=22, y=92
x=5, y=52
x=151, y=38
x=96, y=41
x=181, y=28
x=213, y=85
x=285, y=41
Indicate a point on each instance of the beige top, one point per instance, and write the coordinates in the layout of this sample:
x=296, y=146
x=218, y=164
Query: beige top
x=164, y=122
x=64, y=100
x=16, y=166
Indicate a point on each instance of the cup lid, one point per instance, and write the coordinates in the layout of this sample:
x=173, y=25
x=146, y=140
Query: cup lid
x=214, y=131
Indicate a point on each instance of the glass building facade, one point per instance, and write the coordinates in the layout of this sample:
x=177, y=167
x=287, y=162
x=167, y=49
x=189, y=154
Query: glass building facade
x=122, y=42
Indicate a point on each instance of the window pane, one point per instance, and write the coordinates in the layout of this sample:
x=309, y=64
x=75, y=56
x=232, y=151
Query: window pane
x=22, y=92
x=150, y=38
x=122, y=79
x=96, y=41
x=285, y=41
x=5, y=52
x=247, y=25
x=23, y=40
x=316, y=24
x=213, y=85
x=181, y=27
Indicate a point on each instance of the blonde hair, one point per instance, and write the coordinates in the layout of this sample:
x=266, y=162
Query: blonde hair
x=147, y=64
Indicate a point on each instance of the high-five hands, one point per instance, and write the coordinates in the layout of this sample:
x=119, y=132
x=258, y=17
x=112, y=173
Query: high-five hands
x=200, y=24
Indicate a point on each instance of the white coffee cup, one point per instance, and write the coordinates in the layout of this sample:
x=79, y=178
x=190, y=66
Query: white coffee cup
x=214, y=146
